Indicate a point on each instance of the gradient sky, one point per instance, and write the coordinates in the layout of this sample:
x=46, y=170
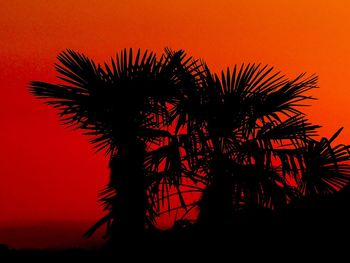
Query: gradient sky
x=49, y=173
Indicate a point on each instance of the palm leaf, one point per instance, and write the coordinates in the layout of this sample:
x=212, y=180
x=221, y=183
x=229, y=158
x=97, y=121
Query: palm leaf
x=326, y=168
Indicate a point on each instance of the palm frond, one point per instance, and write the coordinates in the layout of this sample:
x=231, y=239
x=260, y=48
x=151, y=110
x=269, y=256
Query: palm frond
x=80, y=102
x=252, y=93
x=326, y=168
x=293, y=128
x=189, y=73
x=287, y=97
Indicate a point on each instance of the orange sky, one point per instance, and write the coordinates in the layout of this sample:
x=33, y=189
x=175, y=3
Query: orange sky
x=50, y=173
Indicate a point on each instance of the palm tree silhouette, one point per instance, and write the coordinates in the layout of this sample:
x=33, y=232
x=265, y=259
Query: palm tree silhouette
x=323, y=187
x=171, y=127
x=258, y=151
x=128, y=107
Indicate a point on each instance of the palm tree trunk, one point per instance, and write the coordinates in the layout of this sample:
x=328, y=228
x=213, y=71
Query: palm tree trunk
x=216, y=202
x=128, y=181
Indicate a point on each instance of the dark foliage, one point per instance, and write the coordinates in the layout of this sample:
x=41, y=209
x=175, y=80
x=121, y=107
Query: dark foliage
x=172, y=128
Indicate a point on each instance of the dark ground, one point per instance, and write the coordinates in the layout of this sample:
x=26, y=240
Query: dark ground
x=314, y=243
x=308, y=231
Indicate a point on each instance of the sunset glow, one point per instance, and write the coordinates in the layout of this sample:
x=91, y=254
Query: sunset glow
x=50, y=173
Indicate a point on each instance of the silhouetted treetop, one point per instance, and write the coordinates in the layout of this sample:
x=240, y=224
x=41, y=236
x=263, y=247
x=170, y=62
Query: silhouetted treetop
x=181, y=138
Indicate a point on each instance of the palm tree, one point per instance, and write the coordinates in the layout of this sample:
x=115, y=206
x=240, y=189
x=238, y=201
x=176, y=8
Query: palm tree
x=128, y=107
x=171, y=127
x=322, y=184
x=258, y=151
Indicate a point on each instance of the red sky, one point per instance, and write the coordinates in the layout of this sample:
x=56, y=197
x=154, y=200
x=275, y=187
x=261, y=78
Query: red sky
x=49, y=173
